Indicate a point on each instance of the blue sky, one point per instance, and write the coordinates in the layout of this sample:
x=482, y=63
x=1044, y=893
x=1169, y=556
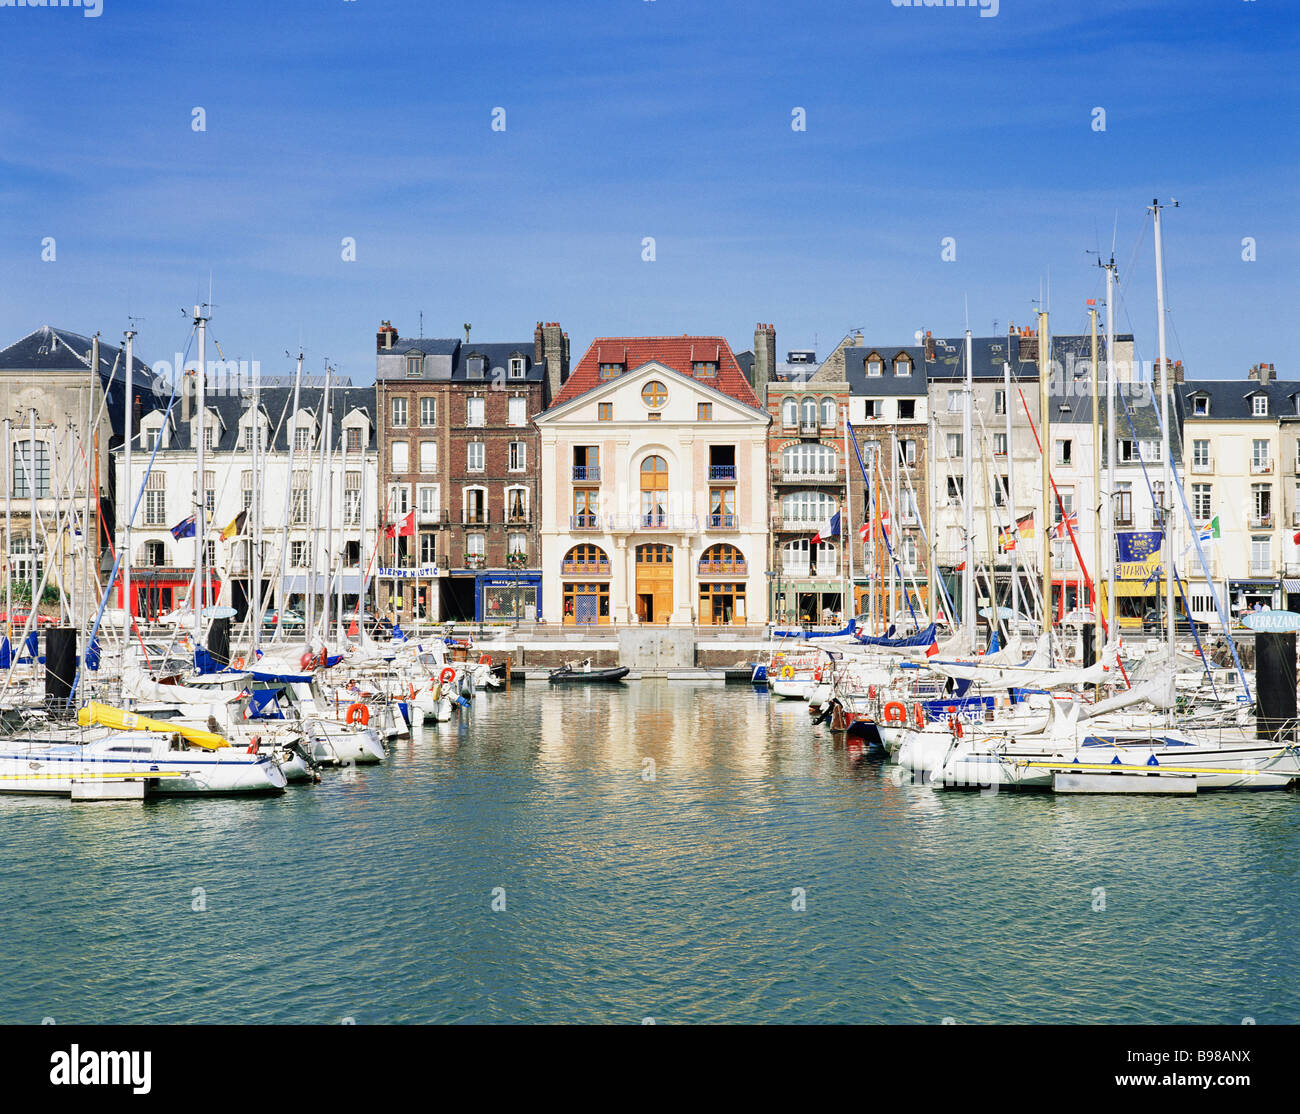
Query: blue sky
x=626, y=119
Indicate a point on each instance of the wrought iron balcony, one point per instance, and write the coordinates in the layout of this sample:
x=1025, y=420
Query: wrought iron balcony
x=586, y=473
x=724, y=568
x=723, y=522
x=584, y=521
x=722, y=471
x=654, y=521
x=584, y=568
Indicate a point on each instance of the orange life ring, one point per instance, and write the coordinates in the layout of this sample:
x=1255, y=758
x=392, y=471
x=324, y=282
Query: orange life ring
x=237, y=663
x=919, y=713
x=360, y=712
x=447, y=675
x=894, y=712
x=485, y=659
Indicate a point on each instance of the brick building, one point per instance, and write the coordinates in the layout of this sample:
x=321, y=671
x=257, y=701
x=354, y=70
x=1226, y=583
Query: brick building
x=458, y=448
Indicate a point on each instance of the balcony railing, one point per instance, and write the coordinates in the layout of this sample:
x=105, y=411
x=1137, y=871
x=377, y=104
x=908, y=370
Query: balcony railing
x=805, y=569
x=819, y=476
x=1261, y=570
x=586, y=473
x=653, y=522
x=475, y=560
x=723, y=522
x=475, y=518
x=1261, y=467
x=1202, y=467
x=799, y=522
x=724, y=568
x=1261, y=521
x=431, y=518
x=809, y=429
x=584, y=568
x=722, y=471
x=518, y=518
x=584, y=522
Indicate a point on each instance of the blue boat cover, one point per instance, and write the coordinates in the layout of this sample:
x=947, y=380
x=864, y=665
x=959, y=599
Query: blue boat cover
x=265, y=705
x=920, y=638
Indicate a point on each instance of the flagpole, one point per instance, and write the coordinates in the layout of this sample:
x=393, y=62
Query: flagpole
x=1045, y=448
x=968, y=510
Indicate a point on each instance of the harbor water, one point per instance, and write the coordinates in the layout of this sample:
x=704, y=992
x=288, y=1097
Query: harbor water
x=686, y=853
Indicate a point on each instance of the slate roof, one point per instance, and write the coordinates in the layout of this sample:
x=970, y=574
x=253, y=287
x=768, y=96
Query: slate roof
x=277, y=404
x=677, y=353
x=455, y=357
x=50, y=349
x=1230, y=399
x=887, y=383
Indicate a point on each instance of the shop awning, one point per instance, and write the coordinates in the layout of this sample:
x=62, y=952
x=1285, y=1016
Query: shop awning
x=1133, y=587
x=1291, y=585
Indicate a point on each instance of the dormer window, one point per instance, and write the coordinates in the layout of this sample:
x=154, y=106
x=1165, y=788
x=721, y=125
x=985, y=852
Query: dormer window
x=516, y=367
x=611, y=371
x=875, y=366
x=414, y=366
x=903, y=366
x=477, y=367
x=705, y=367
x=1259, y=406
x=1201, y=405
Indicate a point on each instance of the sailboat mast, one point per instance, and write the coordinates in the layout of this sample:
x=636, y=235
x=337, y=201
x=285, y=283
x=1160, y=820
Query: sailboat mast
x=1045, y=420
x=968, y=563
x=127, y=487
x=9, y=548
x=200, y=480
x=849, y=607
x=255, y=527
x=1166, y=509
x=1096, y=487
x=1013, y=529
x=893, y=474
x=1112, y=540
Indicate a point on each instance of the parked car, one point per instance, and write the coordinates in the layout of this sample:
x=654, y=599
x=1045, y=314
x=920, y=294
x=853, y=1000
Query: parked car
x=1154, y=621
x=290, y=620
x=19, y=619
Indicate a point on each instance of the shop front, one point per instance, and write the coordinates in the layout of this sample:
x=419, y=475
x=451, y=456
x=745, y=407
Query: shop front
x=1253, y=595
x=508, y=596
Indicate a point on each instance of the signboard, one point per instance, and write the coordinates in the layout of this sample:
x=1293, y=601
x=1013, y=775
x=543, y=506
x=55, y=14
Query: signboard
x=409, y=574
x=1272, y=622
x=1138, y=554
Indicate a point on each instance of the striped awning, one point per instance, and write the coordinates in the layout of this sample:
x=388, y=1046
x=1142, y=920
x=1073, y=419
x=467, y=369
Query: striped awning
x=1291, y=585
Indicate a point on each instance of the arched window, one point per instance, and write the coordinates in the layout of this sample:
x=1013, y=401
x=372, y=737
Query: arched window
x=585, y=560
x=809, y=459
x=812, y=508
x=802, y=558
x=654, y=491
x=828, y=412
x=789, y=413
x=809, y=412
x=722, y=559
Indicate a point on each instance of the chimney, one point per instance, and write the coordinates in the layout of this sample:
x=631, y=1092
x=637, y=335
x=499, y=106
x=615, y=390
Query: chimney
x=539, y=351
x=929, y=347
x=386, y=337
x=1261, y=372
x=555, y=351
x=764, y=360
x=136, y=410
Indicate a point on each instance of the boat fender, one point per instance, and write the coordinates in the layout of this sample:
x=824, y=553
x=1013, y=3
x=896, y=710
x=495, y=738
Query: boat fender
x=447, y=675
x=919, y=714
x=817, y=674
x=871, y=691
x=356, y=712
x=306, y=661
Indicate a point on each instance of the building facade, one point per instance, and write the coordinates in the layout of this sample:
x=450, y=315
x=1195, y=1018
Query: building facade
x=311, y=472
x=654, y=506
x=459, y=449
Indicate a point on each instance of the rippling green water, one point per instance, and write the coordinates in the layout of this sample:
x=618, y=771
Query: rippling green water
x=370, y=896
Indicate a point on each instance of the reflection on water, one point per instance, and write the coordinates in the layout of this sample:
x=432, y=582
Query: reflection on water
x=649, y=843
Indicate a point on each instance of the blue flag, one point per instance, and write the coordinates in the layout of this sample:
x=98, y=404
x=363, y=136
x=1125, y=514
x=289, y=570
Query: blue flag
x=184, y=528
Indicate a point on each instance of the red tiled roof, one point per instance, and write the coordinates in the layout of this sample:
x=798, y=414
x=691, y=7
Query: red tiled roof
x=677, y=353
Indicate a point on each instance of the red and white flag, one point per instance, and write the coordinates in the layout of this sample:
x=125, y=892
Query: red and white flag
x=406, y=529
x=864, y=532
x=884, y=523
